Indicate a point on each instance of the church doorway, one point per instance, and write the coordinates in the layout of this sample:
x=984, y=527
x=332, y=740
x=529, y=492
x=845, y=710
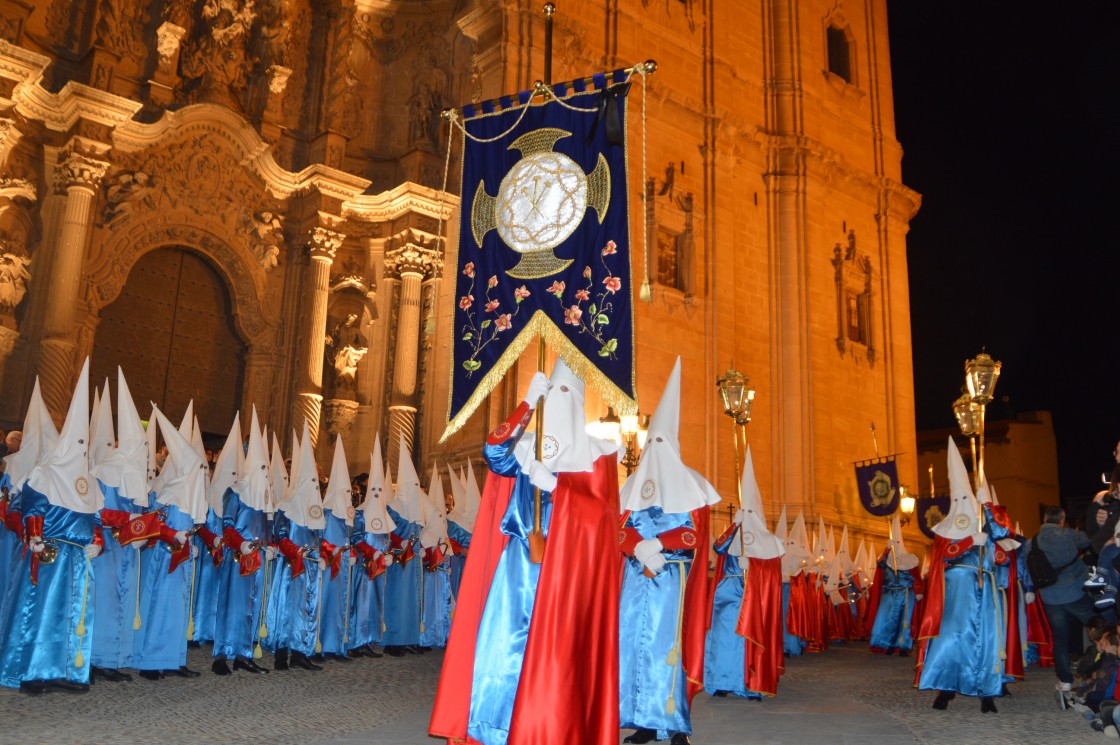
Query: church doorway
x=171, y=331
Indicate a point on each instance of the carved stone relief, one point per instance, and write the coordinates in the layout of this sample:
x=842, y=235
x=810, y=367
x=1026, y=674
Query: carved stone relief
x=127, y=192
x=120, y=24
x=264, y=232
x=214, y=64
x=853, y=274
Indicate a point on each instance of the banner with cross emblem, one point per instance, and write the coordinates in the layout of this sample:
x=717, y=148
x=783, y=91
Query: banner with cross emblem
x=544, y=240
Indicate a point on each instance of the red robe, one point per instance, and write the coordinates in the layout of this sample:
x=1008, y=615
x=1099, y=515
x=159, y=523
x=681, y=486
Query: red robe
x=1039, y=633
x=760, y=623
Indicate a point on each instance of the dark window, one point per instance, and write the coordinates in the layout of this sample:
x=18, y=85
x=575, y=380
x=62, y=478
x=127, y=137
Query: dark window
x=857, y=318
x=839, y=54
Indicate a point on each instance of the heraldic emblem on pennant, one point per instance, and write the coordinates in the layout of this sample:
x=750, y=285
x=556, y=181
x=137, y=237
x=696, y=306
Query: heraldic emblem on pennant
x=544, y=239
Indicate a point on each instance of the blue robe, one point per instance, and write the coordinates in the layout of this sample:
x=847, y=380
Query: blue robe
x=403, y=591
x=161, y=642
x=292, y=615
x=458, y=534
x=238, y=621
x=114, y=593
x=891, y=629
x=206, y=585
x=725, y=653
x=48, y=630
x=650, y=623
x=504, y=629
x=966, y=656
x=11, y=558
x=437, y=603
x=333, y=634
x=367, y=607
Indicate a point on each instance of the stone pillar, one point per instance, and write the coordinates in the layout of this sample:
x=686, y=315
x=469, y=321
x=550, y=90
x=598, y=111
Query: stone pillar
x=77, y=177
x=411, y=264
x=322, y=244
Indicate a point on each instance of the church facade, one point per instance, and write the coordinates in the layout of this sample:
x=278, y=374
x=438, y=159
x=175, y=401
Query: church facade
x=242, y=203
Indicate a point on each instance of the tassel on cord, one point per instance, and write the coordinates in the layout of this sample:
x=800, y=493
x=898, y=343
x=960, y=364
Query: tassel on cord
x=422, y=569
x=136, y=622
x=346, y=605
x=674, y=657
x=645, y=294
x=190, y=617
x=262, y=629
x=80, y=631
x=319, y=621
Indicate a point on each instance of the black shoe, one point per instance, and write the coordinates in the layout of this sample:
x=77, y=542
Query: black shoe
x=394, y=651
x=943, y=698
x=34, y=687
x=642, y=735
x=1097, y=725
x=413, y=649
x=1005, y=691
x=185, y=672
x=988, y=704
x=69, y=686
x=339, y=658
x=192, y=644
x=281, y=660
x=220, y=667
x=151, y=674
x=889, y=651
x=904, y=653
x=299, y=659
x=105, y=673
x=242, y=663
x=372, y=651
x=721, y=694
x=680, y=739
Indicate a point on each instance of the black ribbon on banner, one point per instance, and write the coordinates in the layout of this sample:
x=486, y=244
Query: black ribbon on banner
x=877, y=480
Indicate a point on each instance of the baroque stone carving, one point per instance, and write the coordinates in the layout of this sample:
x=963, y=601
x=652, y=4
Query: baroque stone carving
x=168, y=37
x=324, y=242
x=345, y=348
x=215, y=65
x=265, y=233
x=853, y=274
x=127, y=192
x=414, y=258
x=77, y=170
x=338, y=415
x=13, y=277
x=118, y=27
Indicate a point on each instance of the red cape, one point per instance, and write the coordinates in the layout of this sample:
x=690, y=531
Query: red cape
x=1016, y=649
x=1039, y=633
x=760, y=622
x=697, y=607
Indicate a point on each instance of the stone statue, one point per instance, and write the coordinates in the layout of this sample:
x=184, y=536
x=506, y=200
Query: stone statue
x=127, y=191
x=265, y=234
x=13, y=279
x=345, y=348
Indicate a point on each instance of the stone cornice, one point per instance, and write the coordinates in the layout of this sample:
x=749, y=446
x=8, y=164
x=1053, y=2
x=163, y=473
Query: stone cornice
x=20, y=65
x=60, y=111
x=402, y=199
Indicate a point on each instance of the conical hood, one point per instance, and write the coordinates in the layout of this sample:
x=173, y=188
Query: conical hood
x=781, y=528
x=820, y=553
x=94, y=412
x=199, y=446
x=961, y=522
x=303, y=504
x=186, y=427
x=254, y=486
x=102, y=439
x=374, y=508
x=844, y=561
x=859, y=559
x=434, y=532
x=899, y=557
x=661, y=478
x=464, y=512
x=277, y=476
x=63, y=474
x=756, y=541
x=151, y=436
x=337, y=498
x=185, y=475
x=796, y=557
x=126, y=467
x=39, y=438
x=226, y=473
x=406, y=502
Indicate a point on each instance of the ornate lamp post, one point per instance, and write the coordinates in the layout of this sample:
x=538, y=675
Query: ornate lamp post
x=738, y=398
x=906, y=504
x=968, y=419
x=980, y=376
x=633, y=428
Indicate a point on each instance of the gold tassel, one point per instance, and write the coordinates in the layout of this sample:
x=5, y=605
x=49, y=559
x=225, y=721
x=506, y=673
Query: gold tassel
x=257, y=652
x=319, y=621
x=80, y=631
x=645, y=294
x=670, y=705
x=672, y=658
x=136, y=622
x=190, y=608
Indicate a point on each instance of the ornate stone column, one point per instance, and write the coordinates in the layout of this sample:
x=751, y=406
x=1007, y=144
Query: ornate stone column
x=77, y=177
x=322, y=244
x=411, y=263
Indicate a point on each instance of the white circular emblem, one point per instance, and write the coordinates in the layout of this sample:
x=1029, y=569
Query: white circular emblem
x=962, y=522
x=81, y=486
x=541, y=202
x=649, y=490
x=550, y=447
x=748, y=538
x=376, y=523
x=315, y=511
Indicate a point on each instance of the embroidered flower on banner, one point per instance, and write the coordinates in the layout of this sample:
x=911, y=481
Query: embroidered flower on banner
x=595, y=319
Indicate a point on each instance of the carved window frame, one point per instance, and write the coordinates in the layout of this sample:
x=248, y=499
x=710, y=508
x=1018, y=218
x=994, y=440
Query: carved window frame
x=853, y=276
x=836, y=25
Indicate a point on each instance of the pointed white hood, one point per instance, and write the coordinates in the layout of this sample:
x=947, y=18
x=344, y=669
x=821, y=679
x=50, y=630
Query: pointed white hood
x=102, y=439
x=185, y=475
x=126, y=467
x=39, y=438
x=374, y=506
x=254, y=486
x=464, y=511
x=899, y=557
x=844, y=560
x=337, y=497
x=226, y=473
x=303, y=504
x=277, y=476
x=406, y=501
x=661, y=478
x=567, y=446
x=434, y=532
x=796, y=557
x=63, y=474
x=151, y=436
x=961, y=522
x=756, y=541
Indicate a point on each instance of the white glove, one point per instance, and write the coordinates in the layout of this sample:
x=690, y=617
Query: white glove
x=93, y=550
x=352, y=559
x=919, y=596
x=246, y=548
x=388, y=560
x=336, y=550
x=980, y=539
x=181, y=537
x=194, y=551
x=37, y=546
x=647, y=548
x=376, y=554
x=655, y=563
x=322, y=563
x=541, y=477
x=133, y=515
x=538, y=387
x=217, y=542
x=1029, y=597
x=270, y=552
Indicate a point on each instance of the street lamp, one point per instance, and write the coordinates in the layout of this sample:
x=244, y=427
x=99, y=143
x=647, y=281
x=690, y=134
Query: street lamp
x=738, y=398
x=968, y=418
x=634, y=429
x=980, y=376
x=906, y=504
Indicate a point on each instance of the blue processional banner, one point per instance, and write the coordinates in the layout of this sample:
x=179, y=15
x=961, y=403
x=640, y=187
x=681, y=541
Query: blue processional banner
x=877, y=480
x=544, y=241
x=931, y=511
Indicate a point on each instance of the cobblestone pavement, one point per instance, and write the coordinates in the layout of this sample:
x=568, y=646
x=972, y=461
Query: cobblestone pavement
x=843, y=696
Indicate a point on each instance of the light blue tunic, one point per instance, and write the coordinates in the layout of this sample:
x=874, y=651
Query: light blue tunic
x=403, y=591
x=458, y=534
x=891, y=629
x=367, y=609
x=239, y=598
x=725, y=652
x=115, y=591
x=206, y=584
x=437, y=605
x=161, y=642
x=336, y=591
x=293, y=604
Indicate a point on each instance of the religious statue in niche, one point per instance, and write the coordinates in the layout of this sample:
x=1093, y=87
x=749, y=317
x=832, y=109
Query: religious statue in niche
x=13, y=276
x=422, y=108
x=345, y=349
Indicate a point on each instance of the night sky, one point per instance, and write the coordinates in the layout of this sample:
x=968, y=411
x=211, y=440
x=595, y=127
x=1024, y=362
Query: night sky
x=1009, y=118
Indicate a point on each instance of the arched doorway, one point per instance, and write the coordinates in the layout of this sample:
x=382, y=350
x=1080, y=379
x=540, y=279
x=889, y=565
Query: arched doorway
x=171, y=331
